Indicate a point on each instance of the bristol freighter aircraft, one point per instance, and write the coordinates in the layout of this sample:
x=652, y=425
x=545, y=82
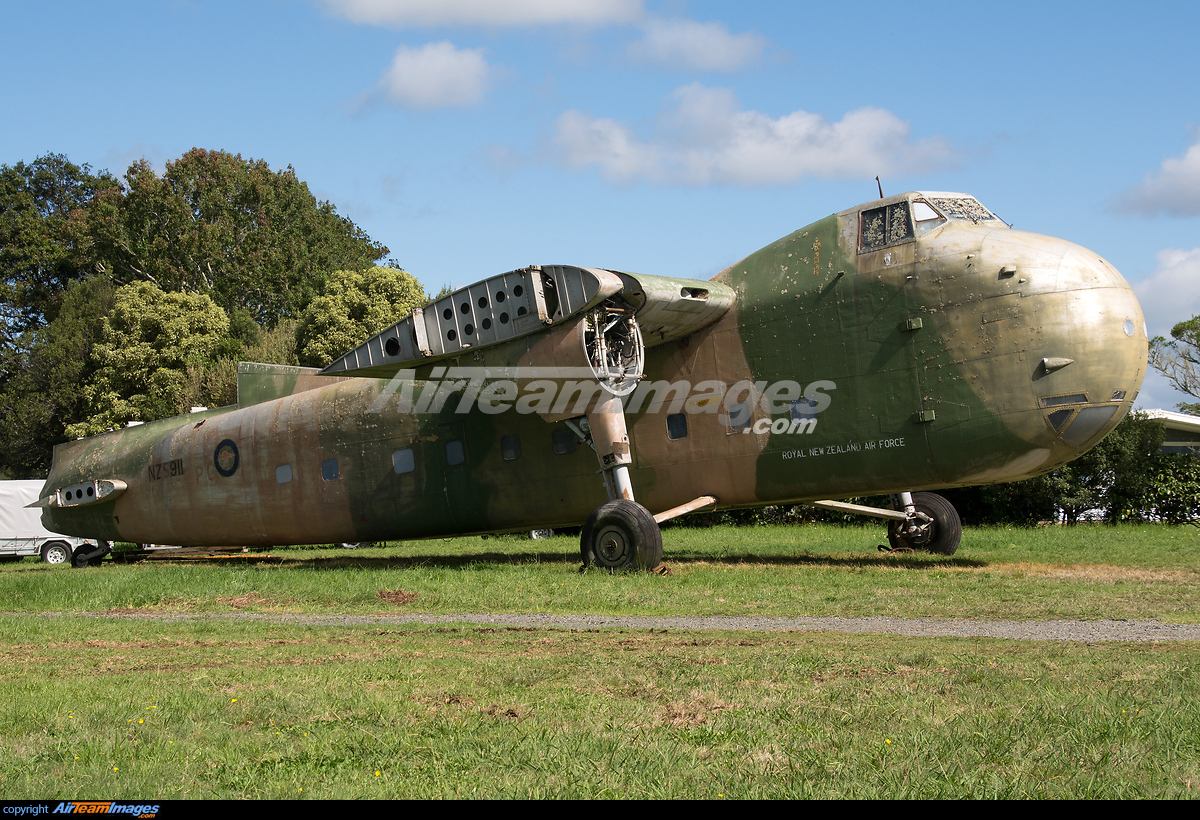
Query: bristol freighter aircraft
x=912, y=343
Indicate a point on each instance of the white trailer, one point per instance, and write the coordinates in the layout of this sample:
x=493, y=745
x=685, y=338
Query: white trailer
x=21, y=530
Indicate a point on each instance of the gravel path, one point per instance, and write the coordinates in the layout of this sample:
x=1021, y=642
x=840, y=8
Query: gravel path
x=1083, y=631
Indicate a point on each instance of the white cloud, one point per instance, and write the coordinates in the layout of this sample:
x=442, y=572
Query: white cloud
x=435, y=75
x=1175, y=189
x=1171, y=293
x=406, y=13
x=688, y=44
x=706, y=139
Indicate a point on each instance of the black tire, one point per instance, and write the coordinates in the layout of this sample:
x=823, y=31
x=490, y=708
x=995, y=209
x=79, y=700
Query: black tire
x=86, y=554
x=621, y=534
x=941, y=536
x=56, y=552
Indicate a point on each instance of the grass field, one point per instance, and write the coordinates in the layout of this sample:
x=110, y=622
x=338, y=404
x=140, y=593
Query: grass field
x=108, y=708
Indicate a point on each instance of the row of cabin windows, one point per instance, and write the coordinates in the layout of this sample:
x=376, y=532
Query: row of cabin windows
x=404, y=461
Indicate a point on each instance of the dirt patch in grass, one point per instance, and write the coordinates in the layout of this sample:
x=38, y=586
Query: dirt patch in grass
x=250, y=599
x=397, y=597
x=1094, y=573
x=698, y=709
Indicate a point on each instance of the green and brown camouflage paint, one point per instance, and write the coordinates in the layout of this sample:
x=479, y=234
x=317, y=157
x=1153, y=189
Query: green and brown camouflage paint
x=937, y=345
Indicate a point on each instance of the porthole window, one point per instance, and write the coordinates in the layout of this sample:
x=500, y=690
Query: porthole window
x=455, y=453
x=677, y=426
x=510, y=448
x=740, y=414
x=283, y=473
x=403, y=461
x=329, y=469
x=564, y=442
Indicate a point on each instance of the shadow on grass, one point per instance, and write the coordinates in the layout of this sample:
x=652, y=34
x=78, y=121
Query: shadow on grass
x=916, y=562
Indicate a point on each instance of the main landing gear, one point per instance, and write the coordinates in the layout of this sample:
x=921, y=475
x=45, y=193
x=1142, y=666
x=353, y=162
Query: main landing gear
x=935, y=527
x=918, y=521
x=621, y=534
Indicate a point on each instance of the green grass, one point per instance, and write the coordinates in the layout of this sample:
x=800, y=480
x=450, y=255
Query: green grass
x=1052, y=572
x=117, y=709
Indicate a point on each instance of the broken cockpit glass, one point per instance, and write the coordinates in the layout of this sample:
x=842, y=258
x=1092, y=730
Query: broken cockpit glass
x=888, y=225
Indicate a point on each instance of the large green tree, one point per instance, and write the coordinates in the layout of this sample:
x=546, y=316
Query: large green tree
x=44, y=244
x=354, y=306
x=1179, y=360
x=1117, y=477
x=231, y=228
x=46, y=392
x=150, y=342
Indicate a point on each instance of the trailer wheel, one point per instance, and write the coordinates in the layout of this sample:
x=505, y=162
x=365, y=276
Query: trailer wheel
x=56, y=552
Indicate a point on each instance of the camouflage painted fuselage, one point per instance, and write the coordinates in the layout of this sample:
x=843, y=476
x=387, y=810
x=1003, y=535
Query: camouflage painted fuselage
x=941, y=349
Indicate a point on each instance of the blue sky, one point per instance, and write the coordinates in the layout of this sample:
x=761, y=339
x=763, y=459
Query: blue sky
x=472, y=137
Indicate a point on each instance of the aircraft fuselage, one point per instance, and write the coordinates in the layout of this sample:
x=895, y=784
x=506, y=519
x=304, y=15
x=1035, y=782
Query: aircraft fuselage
x=915, y=342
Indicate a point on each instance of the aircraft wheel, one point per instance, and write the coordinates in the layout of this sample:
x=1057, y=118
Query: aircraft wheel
x=621, y=534
x=56, y=552
x=940, y=536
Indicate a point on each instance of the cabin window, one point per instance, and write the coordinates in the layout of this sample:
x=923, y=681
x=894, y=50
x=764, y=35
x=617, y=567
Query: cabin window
x=564, y=442
x=510, y=448
x=739, y=415
x=283, y=473
x=885, y=226
x=456, y=454
x=677, y=426
x=403, y=461
x=329, y=469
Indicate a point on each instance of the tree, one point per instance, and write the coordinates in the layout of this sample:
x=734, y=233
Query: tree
x=1179, y=360
x=147, y=344
x=46, y=392
x=227, y=227
x=354, y=306
x=43, y=244
x=1118, y=477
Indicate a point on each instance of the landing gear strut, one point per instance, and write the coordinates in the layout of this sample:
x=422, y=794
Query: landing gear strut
x=620, y=534
x=917, y=521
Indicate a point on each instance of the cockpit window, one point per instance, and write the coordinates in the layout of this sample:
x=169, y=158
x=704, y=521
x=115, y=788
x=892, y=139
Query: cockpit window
x=926, y=217
x=963, y=208
x=885, y=226
x=923, y=213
